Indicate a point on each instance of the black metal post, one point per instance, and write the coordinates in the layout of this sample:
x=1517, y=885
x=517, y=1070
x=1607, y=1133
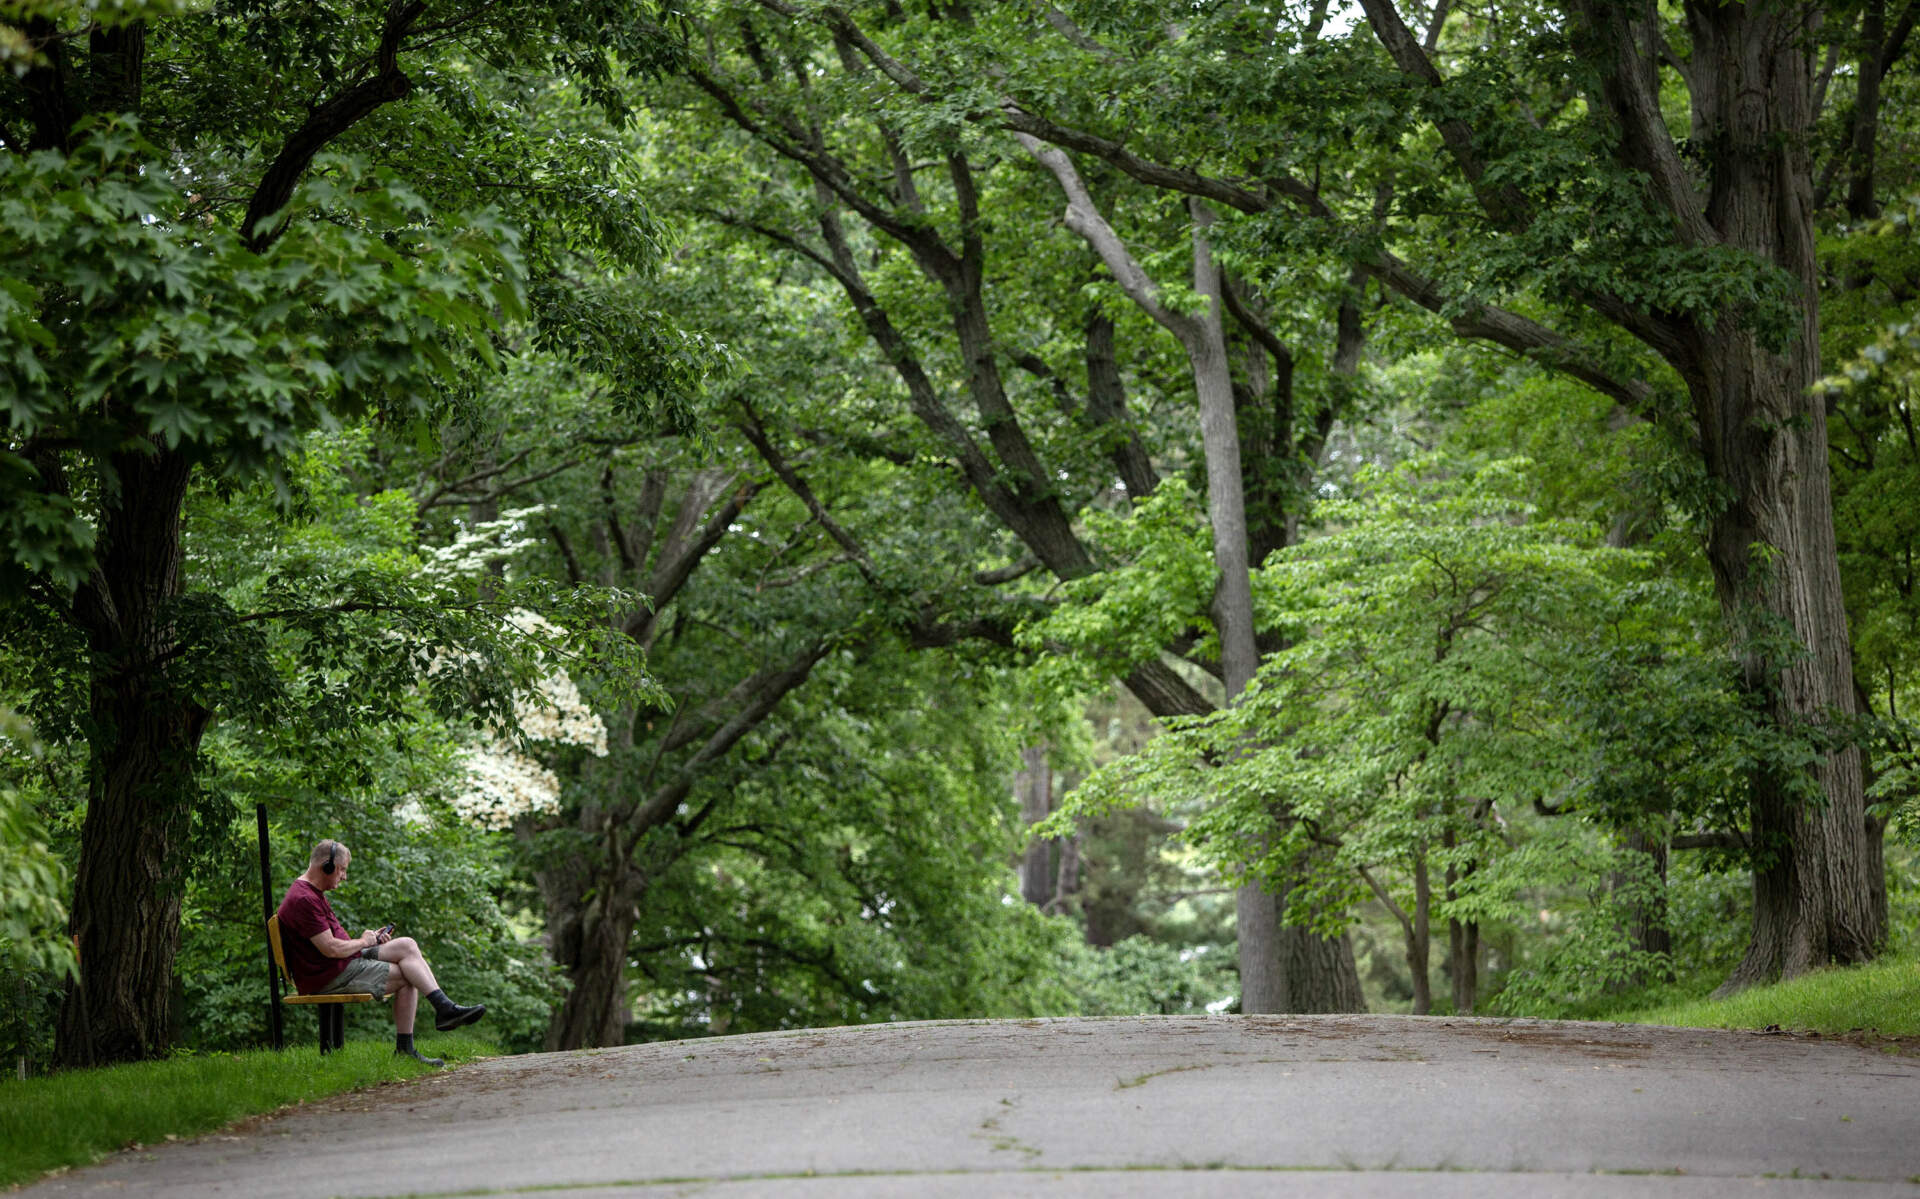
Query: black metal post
x=266, y=903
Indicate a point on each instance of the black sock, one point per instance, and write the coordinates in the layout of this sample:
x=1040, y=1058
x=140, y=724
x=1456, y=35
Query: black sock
x=440, y=1002
x=402, y=1041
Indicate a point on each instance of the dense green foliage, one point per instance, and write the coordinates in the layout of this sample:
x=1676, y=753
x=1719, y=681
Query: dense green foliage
x=31, y=907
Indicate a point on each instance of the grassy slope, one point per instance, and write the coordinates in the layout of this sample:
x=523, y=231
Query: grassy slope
x=1882, y=997
x=79, y=1116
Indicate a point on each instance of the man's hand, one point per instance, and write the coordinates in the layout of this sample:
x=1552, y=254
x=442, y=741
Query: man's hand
x=373, y=936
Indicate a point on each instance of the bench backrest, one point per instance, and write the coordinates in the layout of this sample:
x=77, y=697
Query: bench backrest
x=279, y=958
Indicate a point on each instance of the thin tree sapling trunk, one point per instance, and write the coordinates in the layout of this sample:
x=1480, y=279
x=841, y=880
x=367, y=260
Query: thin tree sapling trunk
x=1034, y=783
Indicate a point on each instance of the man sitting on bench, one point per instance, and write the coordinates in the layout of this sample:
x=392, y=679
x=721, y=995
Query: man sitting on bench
x=324, y=961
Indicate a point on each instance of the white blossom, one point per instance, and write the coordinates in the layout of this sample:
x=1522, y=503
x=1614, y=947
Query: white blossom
x=479, y=545
x=500, y=782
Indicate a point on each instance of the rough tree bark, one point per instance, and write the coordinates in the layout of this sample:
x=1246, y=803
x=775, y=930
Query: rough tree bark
x=1420, y=938
x=591, y=908
x=1463, y=943
x=1463, y=964
x=1764, y=438
x=1316, y=974
x=140, y=782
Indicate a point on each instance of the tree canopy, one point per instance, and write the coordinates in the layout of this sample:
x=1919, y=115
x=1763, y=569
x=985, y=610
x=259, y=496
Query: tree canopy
x=708, y=491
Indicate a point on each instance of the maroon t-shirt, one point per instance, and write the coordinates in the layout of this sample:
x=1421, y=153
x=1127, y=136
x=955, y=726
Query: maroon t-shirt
x=305, y=914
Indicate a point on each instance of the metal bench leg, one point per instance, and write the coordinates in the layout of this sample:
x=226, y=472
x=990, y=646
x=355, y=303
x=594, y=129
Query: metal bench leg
x=333, y=1026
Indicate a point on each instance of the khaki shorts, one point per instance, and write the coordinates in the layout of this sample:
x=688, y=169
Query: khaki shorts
x=361, y=977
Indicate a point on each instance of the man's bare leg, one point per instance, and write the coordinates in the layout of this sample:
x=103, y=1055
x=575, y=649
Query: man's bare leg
x=403, y=955
x=406, y=1001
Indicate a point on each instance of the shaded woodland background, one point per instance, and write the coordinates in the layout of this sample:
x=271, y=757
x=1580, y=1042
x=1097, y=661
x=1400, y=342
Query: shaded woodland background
x=758, y=515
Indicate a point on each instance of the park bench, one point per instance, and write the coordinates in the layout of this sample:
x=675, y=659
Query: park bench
x=333, y=1016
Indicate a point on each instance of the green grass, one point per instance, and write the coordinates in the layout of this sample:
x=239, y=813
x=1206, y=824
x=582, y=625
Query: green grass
x=79, y=1116
x=1881, y=997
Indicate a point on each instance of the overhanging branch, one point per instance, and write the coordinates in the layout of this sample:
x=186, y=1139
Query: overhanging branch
x=327, y=122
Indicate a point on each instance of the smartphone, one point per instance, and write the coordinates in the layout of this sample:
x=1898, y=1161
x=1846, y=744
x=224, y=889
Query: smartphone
x=388, y=930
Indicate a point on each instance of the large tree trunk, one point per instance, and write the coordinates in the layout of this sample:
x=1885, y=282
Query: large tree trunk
x=1283, y=968
x=1263, y=975
x=590, y=921
x=1764, y=437
x=1256, y=924
x=1772, y=547
x=1067, y=877
x=1778, y=578
x=1320, y=973
x=1463, y=943
x=590, y=896
x=1299, y=972
x=140, y=782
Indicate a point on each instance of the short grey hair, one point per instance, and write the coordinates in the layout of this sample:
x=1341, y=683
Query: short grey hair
x=328, y=846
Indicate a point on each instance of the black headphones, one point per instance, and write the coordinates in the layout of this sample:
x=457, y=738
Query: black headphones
x=326, y=867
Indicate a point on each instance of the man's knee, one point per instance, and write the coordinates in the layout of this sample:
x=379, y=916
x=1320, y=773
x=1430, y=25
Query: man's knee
x=406, y=946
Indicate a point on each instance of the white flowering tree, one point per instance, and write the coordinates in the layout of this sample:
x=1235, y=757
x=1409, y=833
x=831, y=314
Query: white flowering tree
x=502, y=780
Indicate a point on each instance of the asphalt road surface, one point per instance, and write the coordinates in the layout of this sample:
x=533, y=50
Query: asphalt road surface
x=1338, y=1106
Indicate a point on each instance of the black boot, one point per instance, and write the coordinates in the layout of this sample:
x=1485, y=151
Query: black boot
x=403, y=1047
x=449, y=1015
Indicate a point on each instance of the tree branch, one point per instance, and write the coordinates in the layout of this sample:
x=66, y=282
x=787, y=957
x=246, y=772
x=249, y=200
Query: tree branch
x=1486, y=322
x=832, y=175
x=565, y=546
x=1180, y=179
x=1511, y=330
x=756, y=433
x=442, y=499
x=1084, y=218
x=1006, y=574
x=327, y=122
x=1710, y=839
x=1386, y=901
x=773, y=688
x=678, y=556
x=843, y=26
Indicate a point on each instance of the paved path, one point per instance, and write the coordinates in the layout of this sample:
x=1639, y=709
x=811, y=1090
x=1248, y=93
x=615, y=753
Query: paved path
x=1333, y=1106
